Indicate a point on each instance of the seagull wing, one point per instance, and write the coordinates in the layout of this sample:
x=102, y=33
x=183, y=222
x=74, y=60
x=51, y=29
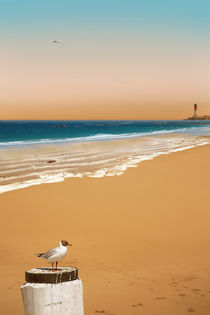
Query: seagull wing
x=50, y=253
x=58, y=41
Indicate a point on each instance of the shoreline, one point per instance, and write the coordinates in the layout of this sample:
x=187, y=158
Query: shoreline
x=89, y=130
x=22, y=167
x=140, y=240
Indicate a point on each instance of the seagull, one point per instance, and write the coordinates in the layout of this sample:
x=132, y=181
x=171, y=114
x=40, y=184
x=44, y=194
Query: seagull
x=58, y=41
x=55, y=254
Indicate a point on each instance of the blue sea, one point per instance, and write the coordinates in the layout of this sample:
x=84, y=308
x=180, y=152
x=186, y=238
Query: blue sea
x=35, y=132
x=36, y=152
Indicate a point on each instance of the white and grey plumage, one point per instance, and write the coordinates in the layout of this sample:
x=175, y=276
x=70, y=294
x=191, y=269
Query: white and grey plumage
x=56, y=254
x=58, y=41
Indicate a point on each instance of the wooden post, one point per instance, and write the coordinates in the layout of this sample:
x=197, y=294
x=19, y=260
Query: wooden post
x=48, y=292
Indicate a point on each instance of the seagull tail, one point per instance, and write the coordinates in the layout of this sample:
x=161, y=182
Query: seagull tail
x=40, y=254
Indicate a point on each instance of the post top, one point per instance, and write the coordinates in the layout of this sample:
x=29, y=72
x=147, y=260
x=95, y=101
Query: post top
x=46, y=275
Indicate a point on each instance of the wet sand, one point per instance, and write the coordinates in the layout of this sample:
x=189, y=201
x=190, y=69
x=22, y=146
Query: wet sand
x=25, y=166
x=140, y=240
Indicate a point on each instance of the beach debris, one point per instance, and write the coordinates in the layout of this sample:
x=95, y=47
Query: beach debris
x=51, y=161
x=55, y=254
x=58, y=42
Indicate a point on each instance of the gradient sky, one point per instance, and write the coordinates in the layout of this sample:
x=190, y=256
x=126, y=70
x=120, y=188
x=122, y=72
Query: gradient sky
x=121, y=59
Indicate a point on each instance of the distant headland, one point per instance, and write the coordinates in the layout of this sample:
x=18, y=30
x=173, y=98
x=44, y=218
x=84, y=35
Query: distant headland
x=196, y=116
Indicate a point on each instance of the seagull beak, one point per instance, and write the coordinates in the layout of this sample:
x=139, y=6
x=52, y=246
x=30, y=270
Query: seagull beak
x=69, y=244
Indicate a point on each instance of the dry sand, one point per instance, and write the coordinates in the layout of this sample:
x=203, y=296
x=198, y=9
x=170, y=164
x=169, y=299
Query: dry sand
x=141, y=241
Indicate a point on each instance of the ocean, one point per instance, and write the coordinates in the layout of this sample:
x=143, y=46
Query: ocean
x=35, y=152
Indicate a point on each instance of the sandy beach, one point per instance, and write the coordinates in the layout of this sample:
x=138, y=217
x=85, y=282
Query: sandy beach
x=140, y=240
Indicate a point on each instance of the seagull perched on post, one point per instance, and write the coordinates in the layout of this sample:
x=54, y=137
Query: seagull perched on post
x=56, y=254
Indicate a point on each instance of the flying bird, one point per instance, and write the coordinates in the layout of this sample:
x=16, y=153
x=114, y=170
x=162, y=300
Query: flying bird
x=58, y=42
x=55, y=254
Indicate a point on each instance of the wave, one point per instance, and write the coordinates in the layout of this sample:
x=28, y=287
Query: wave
x=112, y=170
x=97, y=137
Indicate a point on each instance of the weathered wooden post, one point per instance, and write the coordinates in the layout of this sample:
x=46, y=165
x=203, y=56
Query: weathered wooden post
x=48, y=292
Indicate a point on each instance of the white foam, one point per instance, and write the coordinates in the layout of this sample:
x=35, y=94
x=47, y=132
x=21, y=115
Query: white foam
x=98, y=137
x=146, y=151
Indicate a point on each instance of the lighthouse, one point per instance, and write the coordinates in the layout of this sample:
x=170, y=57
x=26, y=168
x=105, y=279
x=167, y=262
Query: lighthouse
x=195, y=110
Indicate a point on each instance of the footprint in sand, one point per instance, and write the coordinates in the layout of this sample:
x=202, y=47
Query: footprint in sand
x=139, y=278
x=196, y=290
x=160, y=298
x=191, y=310
x=182, y=294
x=137, y=305
x=103, y=312
x=133, y=283
x=190, y=278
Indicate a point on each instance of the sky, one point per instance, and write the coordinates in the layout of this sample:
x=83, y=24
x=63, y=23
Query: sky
x=120, y=59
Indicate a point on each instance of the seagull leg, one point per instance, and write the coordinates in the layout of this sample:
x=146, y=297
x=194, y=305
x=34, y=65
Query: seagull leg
x=56, y=265
x=52, y=266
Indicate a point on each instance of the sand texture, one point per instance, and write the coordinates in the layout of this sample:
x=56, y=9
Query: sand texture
x=141, y=241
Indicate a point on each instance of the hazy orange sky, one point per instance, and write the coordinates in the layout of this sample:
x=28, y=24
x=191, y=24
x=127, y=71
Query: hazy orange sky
x=140, y=62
